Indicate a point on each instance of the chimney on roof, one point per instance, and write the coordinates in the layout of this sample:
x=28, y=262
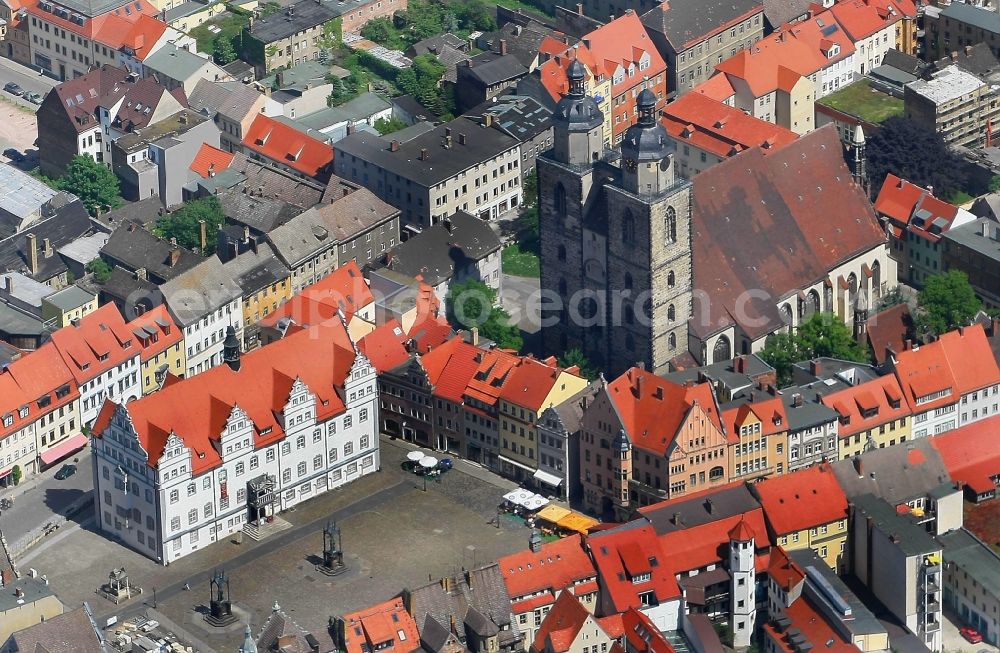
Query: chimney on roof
x=579, y=9
x=202, y=235
x=394, y=146
x=182, y=119
x=140, y=274
x=709, y=506
x=448, y=224
x=461, y=139
x=31, y=241
x=46, y=247
x=677, y=519
x=815, y=367
x=503, y=47
x=954, y=56
x=907, y=345
x=6, y=577
x=175, y=256
x=740, y=364
x=796, y=399
x=474, y=336
x=968, y=50
x=859, y=466
x=173, y=241
x=423, y=154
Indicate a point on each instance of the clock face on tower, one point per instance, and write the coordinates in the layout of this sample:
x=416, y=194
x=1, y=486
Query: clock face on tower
x=631, y=165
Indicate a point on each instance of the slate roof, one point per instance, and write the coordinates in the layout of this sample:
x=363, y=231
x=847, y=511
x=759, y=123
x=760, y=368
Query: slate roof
x=779, y=12
x=410, y=105
x=685, y=22
x=133, y=247
x=232, y=99
x=754, y=193
x=298, y=17
x=360, y=108
x=337, y=222
x=144, y=213
x=435, y=253
x=260, y=213
x=293, y=638
x=977, y=59
x=200, y=290
x=571, y=411
x=809, y=413
x=904, y=62
x=972, y=555
x=433, y=44
x=480, y=145
x=518, y=116
x=267, y=180
x=70, y=632
x=700, y=508
x=477, y=598
x=255, y=270
x=69, y=223
x=985, y=19
x=897, y=474
x=912, y=538
x=491, y=68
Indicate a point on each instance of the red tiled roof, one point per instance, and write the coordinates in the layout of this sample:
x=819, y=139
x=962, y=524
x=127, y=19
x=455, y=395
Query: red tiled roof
x=288, y=146
x=888, y=329
x=802, y=499
x=753, y=193
x=370, y=629
x=896, y=199
x=560, y=626
x=924, y=371
x=492, y=373
x=862, y=18
x=139, y=35
x=321, y=357
x=606, y=551
x=211, y=160
x=716, y=87
x=35, y=376
x=812, y=625
x=530, y=383
x=770, y=412
x=110, y=28
x=99, y=342
x=970, y=358
x=557, y=566
x=884, y=390
x=970, y=453
x=783, y=571
x=344, y=289
x=641, y=635
x=705, y=544
x=741, y=532
x=450, y=367
x=652, y=409
x=384, y=347
x=719, y=128
x=155, y=331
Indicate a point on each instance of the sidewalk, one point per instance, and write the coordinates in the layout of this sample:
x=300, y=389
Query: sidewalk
x=33, y=481
x=461, y=465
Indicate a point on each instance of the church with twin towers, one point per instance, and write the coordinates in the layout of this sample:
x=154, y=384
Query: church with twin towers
x=615, y=230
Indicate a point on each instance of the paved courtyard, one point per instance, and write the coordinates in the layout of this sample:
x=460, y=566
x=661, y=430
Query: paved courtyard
x=394, y=534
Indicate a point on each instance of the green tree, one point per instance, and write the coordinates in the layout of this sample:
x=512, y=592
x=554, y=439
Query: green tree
x=16, y=474
x=183, y=225
x=333, y=33
x=891, y=298
x=473, y=304
x=946, y=302
x=379, y=30
x=223, y=52
x=994, y=185
x=338, y=92
x=822, y=335
x=576, y=357
x=100, y=269
x=389, y=126
x=95, y=185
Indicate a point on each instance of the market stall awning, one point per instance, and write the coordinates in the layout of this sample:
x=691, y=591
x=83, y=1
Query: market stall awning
x=553, y=513
x=577, y=522
x=534, y=502
x=548, y=479
x=64, y=448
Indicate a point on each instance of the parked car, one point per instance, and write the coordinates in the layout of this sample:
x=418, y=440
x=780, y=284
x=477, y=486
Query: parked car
x=65, y=472
x=445, y=464
x=13, y=89
x=34, y=98
x=13, y=155
x=971, y=635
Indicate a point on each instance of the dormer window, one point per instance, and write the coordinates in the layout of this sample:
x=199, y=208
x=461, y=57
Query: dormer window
x=644, y=577
x=833, y=51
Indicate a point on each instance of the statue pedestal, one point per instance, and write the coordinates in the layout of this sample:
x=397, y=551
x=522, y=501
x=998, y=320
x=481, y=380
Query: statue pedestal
x=220, y=614
x=333, y=564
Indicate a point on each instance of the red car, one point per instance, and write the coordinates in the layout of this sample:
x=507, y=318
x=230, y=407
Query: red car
x=971, y=635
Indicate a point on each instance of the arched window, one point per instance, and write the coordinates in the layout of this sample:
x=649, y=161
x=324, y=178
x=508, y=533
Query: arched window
x=559, y=199
x=786, y=314
x=828, y=298
x=672, y=341
x=562, y=253
x=628, y=227
x=716, y=473
x=722, y=350
x=671, y=225
x=812, y=303
x=876, y=279
x=562, y=287
x=671, y=313
x=670, y=279
x=628, y=281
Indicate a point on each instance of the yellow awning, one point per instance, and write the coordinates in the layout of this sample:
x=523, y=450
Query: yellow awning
x=553, y=513
x=577, y=522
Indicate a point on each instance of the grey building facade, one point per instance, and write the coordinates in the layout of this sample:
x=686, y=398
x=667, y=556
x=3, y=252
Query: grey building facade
x=615, y=238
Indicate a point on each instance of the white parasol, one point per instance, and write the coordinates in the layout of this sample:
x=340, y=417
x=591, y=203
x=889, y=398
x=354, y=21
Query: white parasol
x=415, y=456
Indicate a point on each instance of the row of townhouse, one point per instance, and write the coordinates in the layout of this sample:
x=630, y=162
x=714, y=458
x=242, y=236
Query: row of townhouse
x=779, y=78
x=258, y=435
x=53, y=394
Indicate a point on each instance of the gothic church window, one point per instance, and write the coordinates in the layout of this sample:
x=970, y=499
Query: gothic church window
x=671, y=225
x=670, y=279
x=721, y=351
x=560, y=200
x=671, y=313
x=628, y=228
